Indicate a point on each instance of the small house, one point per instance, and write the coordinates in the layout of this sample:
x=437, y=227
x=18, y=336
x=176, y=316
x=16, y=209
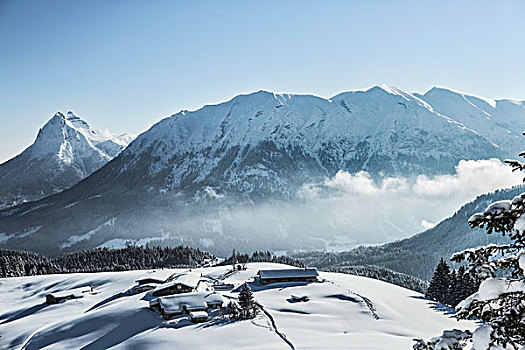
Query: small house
x=288, y=275
x=198, y=316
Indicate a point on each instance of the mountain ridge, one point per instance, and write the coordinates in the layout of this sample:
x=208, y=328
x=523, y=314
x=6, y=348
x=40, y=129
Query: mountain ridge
x=189, y=177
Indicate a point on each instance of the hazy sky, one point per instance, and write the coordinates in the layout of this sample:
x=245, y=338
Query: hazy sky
x=123, y=65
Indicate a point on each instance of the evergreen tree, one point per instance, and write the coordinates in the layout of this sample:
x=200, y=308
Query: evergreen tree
x=19, y=263
x=247, y=302
x=233, y=311
x=460, y=291
x=439, y=287
x=244, y=259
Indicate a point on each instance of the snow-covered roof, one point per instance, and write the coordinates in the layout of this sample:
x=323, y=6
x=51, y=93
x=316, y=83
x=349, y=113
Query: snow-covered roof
x=213, y=299
x=149, y=280
x=189, y=279
x=189, y=301
x=288, y=273
x=198, y=314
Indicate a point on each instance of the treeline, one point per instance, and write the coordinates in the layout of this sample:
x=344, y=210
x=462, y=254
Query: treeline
x=385, y=275
x=281, y=259
x=450, y=287
x=19, y=263
x=244, y=258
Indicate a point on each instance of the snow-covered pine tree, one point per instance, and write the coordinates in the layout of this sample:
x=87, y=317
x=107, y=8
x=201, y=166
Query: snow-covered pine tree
x=500, y=301
x=247, y=302
x=232, y=310
x=466, y=285
x=461, y=290
x=439, y=287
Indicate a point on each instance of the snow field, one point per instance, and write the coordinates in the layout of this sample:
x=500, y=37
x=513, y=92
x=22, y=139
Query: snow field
x=335, y=317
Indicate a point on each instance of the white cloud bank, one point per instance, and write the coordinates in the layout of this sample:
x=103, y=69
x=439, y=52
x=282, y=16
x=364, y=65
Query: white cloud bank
x=472, y=178
x=394, y=208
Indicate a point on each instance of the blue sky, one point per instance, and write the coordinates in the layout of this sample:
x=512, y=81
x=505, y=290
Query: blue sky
x=123, y=65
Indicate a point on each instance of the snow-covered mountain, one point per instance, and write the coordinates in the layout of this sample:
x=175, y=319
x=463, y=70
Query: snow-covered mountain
x=501, y=121
x=202, y=177
x=343, y=312
x=267, y=143
x=65, y=151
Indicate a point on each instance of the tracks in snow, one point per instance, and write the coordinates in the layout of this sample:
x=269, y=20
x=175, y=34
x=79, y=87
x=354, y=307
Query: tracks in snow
x=367, y=301
x=274, y=326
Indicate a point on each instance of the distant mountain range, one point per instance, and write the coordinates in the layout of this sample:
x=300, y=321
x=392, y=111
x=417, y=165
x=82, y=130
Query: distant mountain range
x=65, y=151
x=200, y=178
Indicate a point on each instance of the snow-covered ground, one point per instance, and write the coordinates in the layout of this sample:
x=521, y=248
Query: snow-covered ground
x=343, y=312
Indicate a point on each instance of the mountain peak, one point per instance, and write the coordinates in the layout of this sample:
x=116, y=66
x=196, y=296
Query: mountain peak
x=388, y=88
x=71, y=116
x=261, y=94
x=383, y=92
x=65, y=151
x=437, y=90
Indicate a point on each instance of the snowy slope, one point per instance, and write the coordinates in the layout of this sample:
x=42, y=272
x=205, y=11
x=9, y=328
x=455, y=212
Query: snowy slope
x=339, y=315
x=501, y=121
x=65, y=151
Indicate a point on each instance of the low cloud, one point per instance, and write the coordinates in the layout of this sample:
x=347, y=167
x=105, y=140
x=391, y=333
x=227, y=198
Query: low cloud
x=397, y=207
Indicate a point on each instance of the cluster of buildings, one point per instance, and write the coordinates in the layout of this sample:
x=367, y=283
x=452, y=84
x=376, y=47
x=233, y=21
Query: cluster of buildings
x=186, y=293
x=189, y=293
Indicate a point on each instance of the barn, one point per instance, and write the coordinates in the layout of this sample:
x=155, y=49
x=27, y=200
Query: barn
x=287, y=275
